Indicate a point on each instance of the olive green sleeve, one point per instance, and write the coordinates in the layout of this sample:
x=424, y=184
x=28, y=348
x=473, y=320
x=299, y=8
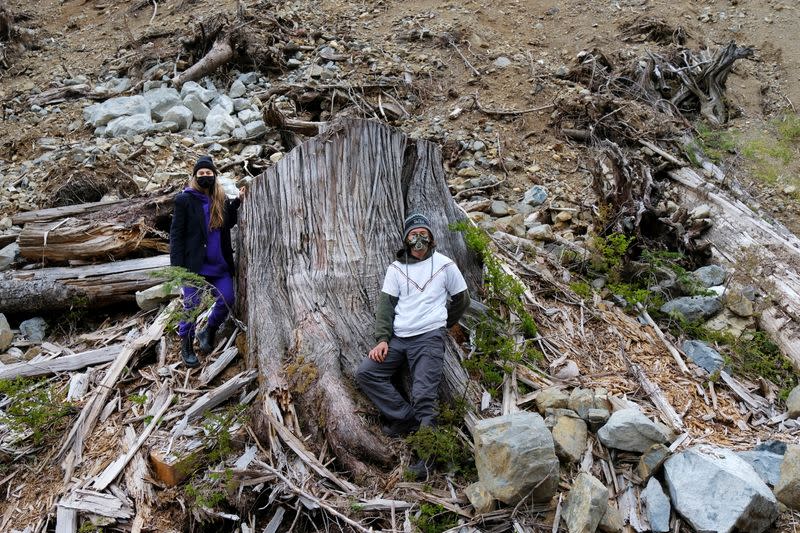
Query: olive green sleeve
x=384, y=317
x=455, y=309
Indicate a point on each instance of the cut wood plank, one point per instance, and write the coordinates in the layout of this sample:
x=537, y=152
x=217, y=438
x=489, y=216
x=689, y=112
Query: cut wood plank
x=91, y=411
x=61, y=364
x=96, y=503
x=66, y=520
x=115, y=468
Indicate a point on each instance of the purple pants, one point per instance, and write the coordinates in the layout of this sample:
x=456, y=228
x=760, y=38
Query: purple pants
x=223, y=290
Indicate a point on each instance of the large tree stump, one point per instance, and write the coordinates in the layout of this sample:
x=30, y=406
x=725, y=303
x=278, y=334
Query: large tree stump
x=318, y=231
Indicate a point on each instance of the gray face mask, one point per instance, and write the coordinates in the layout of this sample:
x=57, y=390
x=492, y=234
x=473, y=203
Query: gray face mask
x=419, y=242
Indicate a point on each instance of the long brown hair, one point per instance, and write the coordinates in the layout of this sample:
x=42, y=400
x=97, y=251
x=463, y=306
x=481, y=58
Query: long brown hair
x=216, y=212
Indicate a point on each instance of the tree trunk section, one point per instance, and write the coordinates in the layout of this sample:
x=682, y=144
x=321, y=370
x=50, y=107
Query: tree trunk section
x=318, y=231
x=63, y=288
x=741, y=239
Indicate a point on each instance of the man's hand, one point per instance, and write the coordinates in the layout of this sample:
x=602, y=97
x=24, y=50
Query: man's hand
x=378, y=353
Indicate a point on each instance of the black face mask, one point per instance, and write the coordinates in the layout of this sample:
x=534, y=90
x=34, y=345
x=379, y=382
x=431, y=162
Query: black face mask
x=206, y=182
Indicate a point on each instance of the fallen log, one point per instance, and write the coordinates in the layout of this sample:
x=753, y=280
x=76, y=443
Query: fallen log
x=61, y=364
x=221, y=52
x=741, y=239
x=61, y=288
x=311, y=303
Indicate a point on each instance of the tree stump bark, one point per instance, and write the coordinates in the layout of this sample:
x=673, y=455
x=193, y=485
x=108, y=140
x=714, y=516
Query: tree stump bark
x=317, y=232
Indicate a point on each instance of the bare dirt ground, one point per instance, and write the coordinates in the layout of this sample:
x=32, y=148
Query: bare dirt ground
x=88, y=38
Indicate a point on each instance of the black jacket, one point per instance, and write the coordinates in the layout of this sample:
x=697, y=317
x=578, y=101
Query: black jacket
x=188, y=234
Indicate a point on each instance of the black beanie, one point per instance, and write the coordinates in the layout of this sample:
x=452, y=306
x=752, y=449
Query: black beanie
x=204, y=161
x=416, y=221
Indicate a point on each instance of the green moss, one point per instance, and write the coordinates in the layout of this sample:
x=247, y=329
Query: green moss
x=716, y=144
x=433, y=518
x=582, y=289
x=443, y=446
x=34, y=406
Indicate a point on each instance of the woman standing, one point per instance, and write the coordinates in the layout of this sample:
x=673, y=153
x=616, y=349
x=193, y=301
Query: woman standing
x=200, y=241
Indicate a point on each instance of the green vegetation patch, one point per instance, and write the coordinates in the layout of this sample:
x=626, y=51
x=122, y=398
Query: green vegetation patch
x=35, y=406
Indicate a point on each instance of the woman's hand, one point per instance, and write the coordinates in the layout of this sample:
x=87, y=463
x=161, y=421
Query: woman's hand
x=242, y=192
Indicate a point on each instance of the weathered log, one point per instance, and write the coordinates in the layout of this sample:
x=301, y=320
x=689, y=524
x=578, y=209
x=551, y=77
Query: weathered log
x=742, y=239
x=330, y=213
x=221, y=52
x=61, y=288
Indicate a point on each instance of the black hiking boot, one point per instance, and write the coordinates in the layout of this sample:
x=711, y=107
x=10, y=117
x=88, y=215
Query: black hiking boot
x=205, y=340
x=400, y=428
x=187, y=352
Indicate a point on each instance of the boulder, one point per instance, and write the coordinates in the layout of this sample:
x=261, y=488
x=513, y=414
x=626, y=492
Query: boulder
x=224, y=101
x=569, y=437
x=8, y=254
x=551, y=398
x=198, y=108
x=237, y=89
x=703, y=355
x=587, y=502
x=240, y=104
x=739, y=304
x=793, y=403
x=219, y=122
x=716, y=490
x=730, y=323
x=255, y=128
x=657, y=505
x=612, y=521
x=248, y=115
x=35, y=329
x=6, y=335
x=192, y=87
x=651, y=460
x=597, y=418
x=123, y=106
x=787, y=490
x=480, y=498
x=154, y=296
x=581, y=400
x=632, y=431
x=766, y=464
x=162, y=100
x=535, y=196
x=129, y=126
x=248, y=78
x=693, y=308
x=498, y=208
x=180, y=115
x=709, y=276
x=515, y=457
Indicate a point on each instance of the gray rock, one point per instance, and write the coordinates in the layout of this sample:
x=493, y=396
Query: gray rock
x=35, y=329
x=657, y=505
x=239, y=133
x=248, y=115
x=8, y=255
x=651, y=460
x=123, y=106
x=612, y=521
x=255, y=128
x=581, y=400
x=597, y=418
x=240, y=104
x=154, y=296
x=502, y=62
x=223, y=101
x=480, y=498
x=716, y=490
x=710, y=275
x=536, y=195
x=162, y=100
x=219, y=122
x=180, y=115
x=478, y=145
x=129, y=126
x=237, y=89
x=693, y=308
x=793, y=403
x=569, y=438
x=192, y=87
x=787, y=489
x=197, y=126
x=252, y=151
x=515, y=457
x=587, y=502
x=739, y=304
x=703, y=355
x=551, y=398
x=198, y=108
x=149, y=85
x=248, y=78
x=766, y=464
x=112, y=87
x=6, y=335
x=772, y=446
x=541, y=232
x=631, y=430
x=498, y=208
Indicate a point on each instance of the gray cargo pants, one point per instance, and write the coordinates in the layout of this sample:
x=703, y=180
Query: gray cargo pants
x=425, y=355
